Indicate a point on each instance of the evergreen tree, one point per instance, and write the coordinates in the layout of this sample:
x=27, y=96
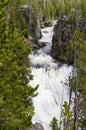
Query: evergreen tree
x=67, y=117
x=81, y=65
x=16, y=108
x=78, y=80
x=54, y=124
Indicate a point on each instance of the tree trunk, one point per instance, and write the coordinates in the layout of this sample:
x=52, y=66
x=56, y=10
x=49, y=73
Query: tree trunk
x=75, y=91
x=30, y=18
x=77, y=12
x=75, y=113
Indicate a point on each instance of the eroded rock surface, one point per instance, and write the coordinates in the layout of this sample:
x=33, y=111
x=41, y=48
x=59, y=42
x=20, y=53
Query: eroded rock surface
x=37, y=126
x=63, y=33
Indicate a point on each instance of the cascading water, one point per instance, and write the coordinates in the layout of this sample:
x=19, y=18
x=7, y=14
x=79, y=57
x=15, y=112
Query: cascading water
x=51, y=76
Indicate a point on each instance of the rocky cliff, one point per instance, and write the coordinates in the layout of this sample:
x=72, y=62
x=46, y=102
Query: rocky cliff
x=63, y=33
x=34, y=23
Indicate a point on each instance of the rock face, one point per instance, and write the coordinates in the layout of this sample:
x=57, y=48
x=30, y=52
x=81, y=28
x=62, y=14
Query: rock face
x=63, y=33
x=37, y=126
x=32, y=20
x=34, y=23
x=30, y=41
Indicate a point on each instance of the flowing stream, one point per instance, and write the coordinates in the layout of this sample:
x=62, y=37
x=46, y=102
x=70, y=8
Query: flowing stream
x=51, y=76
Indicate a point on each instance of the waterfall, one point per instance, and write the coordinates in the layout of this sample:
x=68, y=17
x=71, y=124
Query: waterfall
x=51, y=76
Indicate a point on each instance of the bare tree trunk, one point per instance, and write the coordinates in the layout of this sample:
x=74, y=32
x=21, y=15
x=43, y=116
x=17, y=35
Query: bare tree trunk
x=70, y=95
x=77, y=12
x=75, y=91
x=30, y=17
x=75, y=113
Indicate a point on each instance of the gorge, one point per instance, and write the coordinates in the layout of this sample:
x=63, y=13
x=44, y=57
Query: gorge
x=51, y=76
x=42, y=65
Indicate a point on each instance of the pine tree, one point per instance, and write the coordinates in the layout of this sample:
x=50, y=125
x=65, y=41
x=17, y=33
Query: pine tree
x=54, y=124
x=77, y=82
x=81, y=65
x=16, y=108
x=67, y=117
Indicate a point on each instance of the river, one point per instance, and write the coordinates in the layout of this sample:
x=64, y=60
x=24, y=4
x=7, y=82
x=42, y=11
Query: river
x=51, y=76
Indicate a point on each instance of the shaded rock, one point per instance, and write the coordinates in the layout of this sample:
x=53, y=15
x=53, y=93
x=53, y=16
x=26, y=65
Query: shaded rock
x=35, y=46
x=37, y=126
x=31, y=42
x=34, y=27
x=63, y=33
x=40, y=17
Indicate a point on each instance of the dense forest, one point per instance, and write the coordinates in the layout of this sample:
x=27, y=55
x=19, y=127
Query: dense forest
x=20, y=29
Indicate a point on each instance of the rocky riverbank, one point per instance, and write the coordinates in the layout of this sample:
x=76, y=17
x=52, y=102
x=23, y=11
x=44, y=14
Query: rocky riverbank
x=34, y=28
x=63, y=33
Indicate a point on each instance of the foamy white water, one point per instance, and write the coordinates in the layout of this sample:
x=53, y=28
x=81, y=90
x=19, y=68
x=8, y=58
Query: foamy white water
x=51, y=78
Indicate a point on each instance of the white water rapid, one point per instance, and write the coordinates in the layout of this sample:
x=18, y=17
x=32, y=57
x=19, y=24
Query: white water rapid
x=51, y=76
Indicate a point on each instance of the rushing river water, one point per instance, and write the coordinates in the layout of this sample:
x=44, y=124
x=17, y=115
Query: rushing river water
x=51, y=76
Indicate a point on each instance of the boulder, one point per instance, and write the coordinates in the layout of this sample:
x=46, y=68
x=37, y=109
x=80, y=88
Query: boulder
x=37, y=126
x=35, y=46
